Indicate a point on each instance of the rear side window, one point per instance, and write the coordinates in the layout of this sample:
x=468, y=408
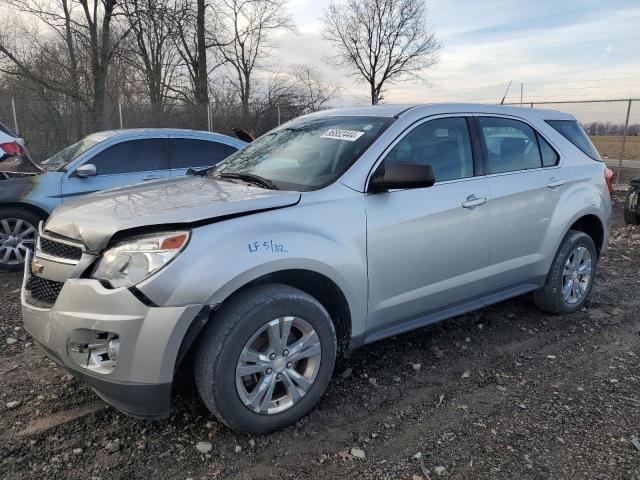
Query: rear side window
x=572, y=131
x=443, y=143
x=186, y=152
x=510, y=145
x=129, y=157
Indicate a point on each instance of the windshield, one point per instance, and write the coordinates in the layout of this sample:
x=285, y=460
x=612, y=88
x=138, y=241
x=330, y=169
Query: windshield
x=69, y=154
x=306, y=154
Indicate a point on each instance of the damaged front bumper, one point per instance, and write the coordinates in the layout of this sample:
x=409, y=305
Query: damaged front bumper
x=85, y=315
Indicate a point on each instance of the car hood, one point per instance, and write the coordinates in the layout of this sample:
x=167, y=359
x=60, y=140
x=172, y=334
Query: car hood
x=94, y=219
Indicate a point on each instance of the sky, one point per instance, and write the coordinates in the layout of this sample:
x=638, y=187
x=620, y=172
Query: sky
x=557, y=49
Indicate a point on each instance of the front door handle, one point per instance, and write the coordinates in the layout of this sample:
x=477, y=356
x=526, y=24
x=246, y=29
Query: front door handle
x=151, y=177
x=473, y=201
x=554, y=183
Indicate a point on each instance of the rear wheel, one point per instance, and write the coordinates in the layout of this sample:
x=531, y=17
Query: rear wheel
x=571, y=277
x=18, y=233
x=266, y=358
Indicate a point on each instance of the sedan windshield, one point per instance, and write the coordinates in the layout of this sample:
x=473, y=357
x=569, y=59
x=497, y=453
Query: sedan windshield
x=69, y=154
x=306, y=154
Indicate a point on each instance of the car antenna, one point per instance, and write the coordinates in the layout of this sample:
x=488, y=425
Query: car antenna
x=505, y=93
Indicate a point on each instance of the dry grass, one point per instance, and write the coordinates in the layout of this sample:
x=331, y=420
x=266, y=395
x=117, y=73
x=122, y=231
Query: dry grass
x=609, y=146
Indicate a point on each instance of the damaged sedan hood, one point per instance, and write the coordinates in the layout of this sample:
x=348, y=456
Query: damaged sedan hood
x=96, y=218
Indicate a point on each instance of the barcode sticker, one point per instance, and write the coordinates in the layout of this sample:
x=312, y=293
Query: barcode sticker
x=339, y=134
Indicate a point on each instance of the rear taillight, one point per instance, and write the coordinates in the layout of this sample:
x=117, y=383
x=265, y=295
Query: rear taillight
x=11, y=148
x=608, y=177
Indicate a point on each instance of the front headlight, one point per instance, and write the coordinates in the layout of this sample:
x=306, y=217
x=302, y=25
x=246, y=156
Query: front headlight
x=130, y=262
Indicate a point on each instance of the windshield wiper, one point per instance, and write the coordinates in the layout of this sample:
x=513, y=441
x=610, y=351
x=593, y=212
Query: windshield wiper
x=249, y=178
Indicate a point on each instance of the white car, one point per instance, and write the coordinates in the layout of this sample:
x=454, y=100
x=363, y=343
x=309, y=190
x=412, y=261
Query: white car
x=10, y=144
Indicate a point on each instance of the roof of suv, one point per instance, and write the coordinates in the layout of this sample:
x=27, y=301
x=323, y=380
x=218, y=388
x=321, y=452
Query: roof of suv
x=440, y=108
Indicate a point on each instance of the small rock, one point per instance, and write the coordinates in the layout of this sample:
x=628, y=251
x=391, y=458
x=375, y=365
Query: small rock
x=396, y=379
x=77, y=451
x=204, y=447
x=416, y=366
x=11, y=341
x=416, y=477
x=466, y=374
x=357, y=453
x=418, y=456
x=238, y=449
x=522, y=406
x=374, y=435
x=373, y=382
x=551, y=357
x=112, y=447
x=439, y=470
x=252, y=443
x=613, y=380
x=13, y=404
x=347, y=372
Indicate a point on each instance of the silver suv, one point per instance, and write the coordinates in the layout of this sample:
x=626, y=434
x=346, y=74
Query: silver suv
x=333, y=231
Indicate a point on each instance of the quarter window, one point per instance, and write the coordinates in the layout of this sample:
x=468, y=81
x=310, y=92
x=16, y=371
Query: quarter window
x=129, y=157
x=549, y=156
x=443, y=143
x=186, y=152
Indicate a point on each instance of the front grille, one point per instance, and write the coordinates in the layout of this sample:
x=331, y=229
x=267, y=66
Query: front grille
x=61, y=250
x=43, y=291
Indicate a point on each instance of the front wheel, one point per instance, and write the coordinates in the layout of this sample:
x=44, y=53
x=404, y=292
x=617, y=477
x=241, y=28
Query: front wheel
x=571, y=277
x=18, y=233
x=266, y=358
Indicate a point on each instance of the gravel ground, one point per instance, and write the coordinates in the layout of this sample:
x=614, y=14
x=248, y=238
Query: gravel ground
x=504, y=392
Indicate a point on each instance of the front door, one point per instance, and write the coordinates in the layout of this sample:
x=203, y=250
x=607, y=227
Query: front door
x=124, y=163
x=428, y=248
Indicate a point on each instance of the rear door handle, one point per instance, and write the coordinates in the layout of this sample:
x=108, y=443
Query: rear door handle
x=151, y=177
x=472, y=202
x=554, y=183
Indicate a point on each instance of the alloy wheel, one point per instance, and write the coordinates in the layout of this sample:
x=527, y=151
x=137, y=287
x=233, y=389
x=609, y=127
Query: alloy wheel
x=576, y=275
x=278, y=365
x=17, y=236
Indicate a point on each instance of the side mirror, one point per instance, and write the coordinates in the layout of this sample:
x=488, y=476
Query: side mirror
x=401, y=176
x=86, y=170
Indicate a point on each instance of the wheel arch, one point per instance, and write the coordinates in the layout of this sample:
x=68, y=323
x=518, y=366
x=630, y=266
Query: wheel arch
x=593, y=226
x=26, y=206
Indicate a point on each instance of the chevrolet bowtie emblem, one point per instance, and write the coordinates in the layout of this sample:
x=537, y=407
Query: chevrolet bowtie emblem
x=36, y=267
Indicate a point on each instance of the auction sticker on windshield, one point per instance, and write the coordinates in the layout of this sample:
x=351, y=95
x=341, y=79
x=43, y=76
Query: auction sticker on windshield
x=339, y=134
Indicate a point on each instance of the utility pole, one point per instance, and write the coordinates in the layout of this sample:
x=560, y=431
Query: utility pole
x=521, y=90
x=15, y=117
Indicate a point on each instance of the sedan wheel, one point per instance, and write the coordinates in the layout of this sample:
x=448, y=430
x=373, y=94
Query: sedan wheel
x=17, y=237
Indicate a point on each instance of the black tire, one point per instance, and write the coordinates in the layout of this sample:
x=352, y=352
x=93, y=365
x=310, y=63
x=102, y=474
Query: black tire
x=26, y=215
x=549, y=298
x=225, y=336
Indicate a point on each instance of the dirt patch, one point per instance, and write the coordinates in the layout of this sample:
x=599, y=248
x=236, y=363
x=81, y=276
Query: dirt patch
x=504, y=392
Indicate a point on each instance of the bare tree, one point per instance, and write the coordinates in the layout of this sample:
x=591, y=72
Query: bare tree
x=381, y=41
x=243, y=38
x=151, y=49
x=194, y=41
x=86, y=31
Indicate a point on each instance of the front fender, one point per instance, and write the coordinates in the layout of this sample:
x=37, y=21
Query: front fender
x=223, y=257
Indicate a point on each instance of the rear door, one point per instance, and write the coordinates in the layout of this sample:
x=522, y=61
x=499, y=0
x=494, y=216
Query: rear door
x=123, y=163
x=525, y=184
x=428, y=248
x=185, y=153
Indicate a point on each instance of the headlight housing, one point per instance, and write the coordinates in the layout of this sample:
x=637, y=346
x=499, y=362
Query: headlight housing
x=134, y=260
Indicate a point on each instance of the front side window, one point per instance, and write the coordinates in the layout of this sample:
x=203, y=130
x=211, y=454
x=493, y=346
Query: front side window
x=572, y=131
x=511, y=145
x=130, y=157
x=443, y=143
x=187, y=152
x=306, y=154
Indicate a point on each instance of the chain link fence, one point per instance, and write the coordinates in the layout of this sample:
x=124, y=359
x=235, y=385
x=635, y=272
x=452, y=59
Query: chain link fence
x=47, y=127
x=613, y=125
